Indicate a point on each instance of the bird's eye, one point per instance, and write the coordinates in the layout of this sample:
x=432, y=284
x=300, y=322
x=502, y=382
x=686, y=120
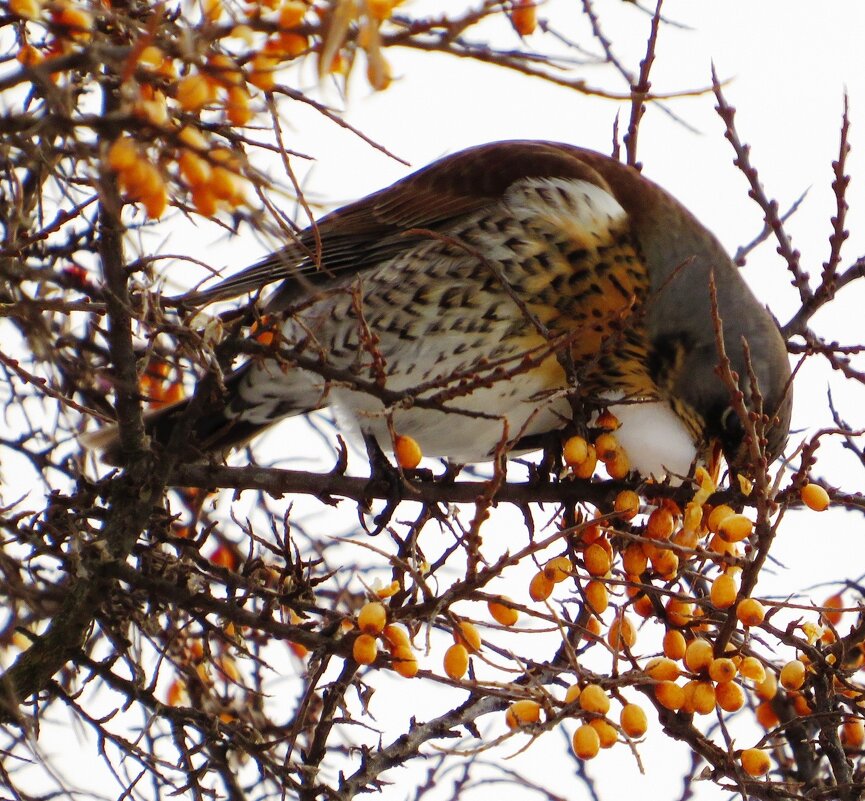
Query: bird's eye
x=732, y=430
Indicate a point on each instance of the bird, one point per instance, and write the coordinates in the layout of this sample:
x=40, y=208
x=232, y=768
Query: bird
x=487, y=300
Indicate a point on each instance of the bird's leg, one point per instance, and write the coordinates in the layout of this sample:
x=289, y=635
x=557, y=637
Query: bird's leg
x=384, y=478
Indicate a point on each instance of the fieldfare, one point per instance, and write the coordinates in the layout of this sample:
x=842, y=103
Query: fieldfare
x=477, y=303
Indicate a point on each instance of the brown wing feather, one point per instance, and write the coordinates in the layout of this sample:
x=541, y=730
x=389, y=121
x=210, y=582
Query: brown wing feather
x=373, y=229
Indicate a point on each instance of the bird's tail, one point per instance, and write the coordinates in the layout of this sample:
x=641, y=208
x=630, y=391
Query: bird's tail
x=218, y=429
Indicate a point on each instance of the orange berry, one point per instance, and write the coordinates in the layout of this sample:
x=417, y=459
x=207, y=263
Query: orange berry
x=643, y=606
x=291, y=14
x=831, y=609
x=123, y=154
x=750, y=612
x=607, y=446
x=666, y=563
x=372, y=618
x=755, y=762
x=792, y=675
x=752, y=668
x=586, y=468
x=660, y=524
x=768, y=688
x=524, y=17
x=195, y=169
x=155, y=202
x=622, y=633
x=717, y=516
x=766, y=715
x=395, y=637
x=597, y=597
x=540, y=587
x=456, y=661
x=237, y=108
x=722, y=670
x=701, y=697
x=407, y=451
x=204, y=200
x=594, y=699
x=723, y=592
x=521, y=712
x=558, y=569
x=735, y=528
x=619, y=466
x=573, y=693
x=380, y=9
x=77, y=20
x=586, y=742
x=263, y=71
x=597, y=560
x=670, y=695
x=633, y=720
x=364, y=649
x=575, y=451
x=193, y=92
x=404, y=662
x=607, y=735
x=729, y=696
x=29, y=9
x=634, y=560
x=853, y=733
x=698, y=655
x=627, y=504
x=679, y=612
x=608, y=421
x=502, y=613
x=800, y=705
x=693, y=517
x=674, y=644
x=815, y=497
x=661, y=668
x=468, y=635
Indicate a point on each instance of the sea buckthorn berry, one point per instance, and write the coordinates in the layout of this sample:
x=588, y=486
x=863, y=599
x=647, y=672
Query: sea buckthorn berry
x=768, y=688
x=800, y=704
x=698, y=655
x=558, y=569
x=722, y=670
x=586, y=468
x=263, y=71
x=643, y=606
x=619, y=466
x=674, y=644
x=660, y=524
x=607, y=446
x=853, y=733
x=237, y=107
x=693, y=517
x=456, y=661
x=291, y=14
x=540, y=587
x=679, y=612
x=77, y=19
x=204, y=200
x=622, y=633
x=832, y=607
x=404, y=662
x=815, y=497
x=122, y=154
x=502, y=613
x=723, y=592
x=521, y=712
x=575, y=451
x=597, y=597
x=755, y=762
x=792, y=675
x=670, y=695
x=364, y=649
x=29, y=9
x=627, y=504
x=766, y=715
x=573, y=693
x=407, y=451
x=597, y=560
x=729, y=696
x=750, y=612
x=468, y=635
x=702, y=697
x=735, y=528
x=666, y=563
x=395, y=637
x=661, y=668
x=752, y=668
x=586, y=742
x=607, y=734
x=372, y=618
x=607, y=420
x=524, y=16
x=193, y=92
x=717, y=516
x=594, y=699
x=633, y=720
x=634, y=560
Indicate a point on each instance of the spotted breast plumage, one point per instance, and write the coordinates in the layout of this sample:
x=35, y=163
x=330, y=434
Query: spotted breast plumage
x=464, y=303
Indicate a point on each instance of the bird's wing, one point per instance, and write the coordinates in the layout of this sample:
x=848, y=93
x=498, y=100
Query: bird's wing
x=377, y=227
